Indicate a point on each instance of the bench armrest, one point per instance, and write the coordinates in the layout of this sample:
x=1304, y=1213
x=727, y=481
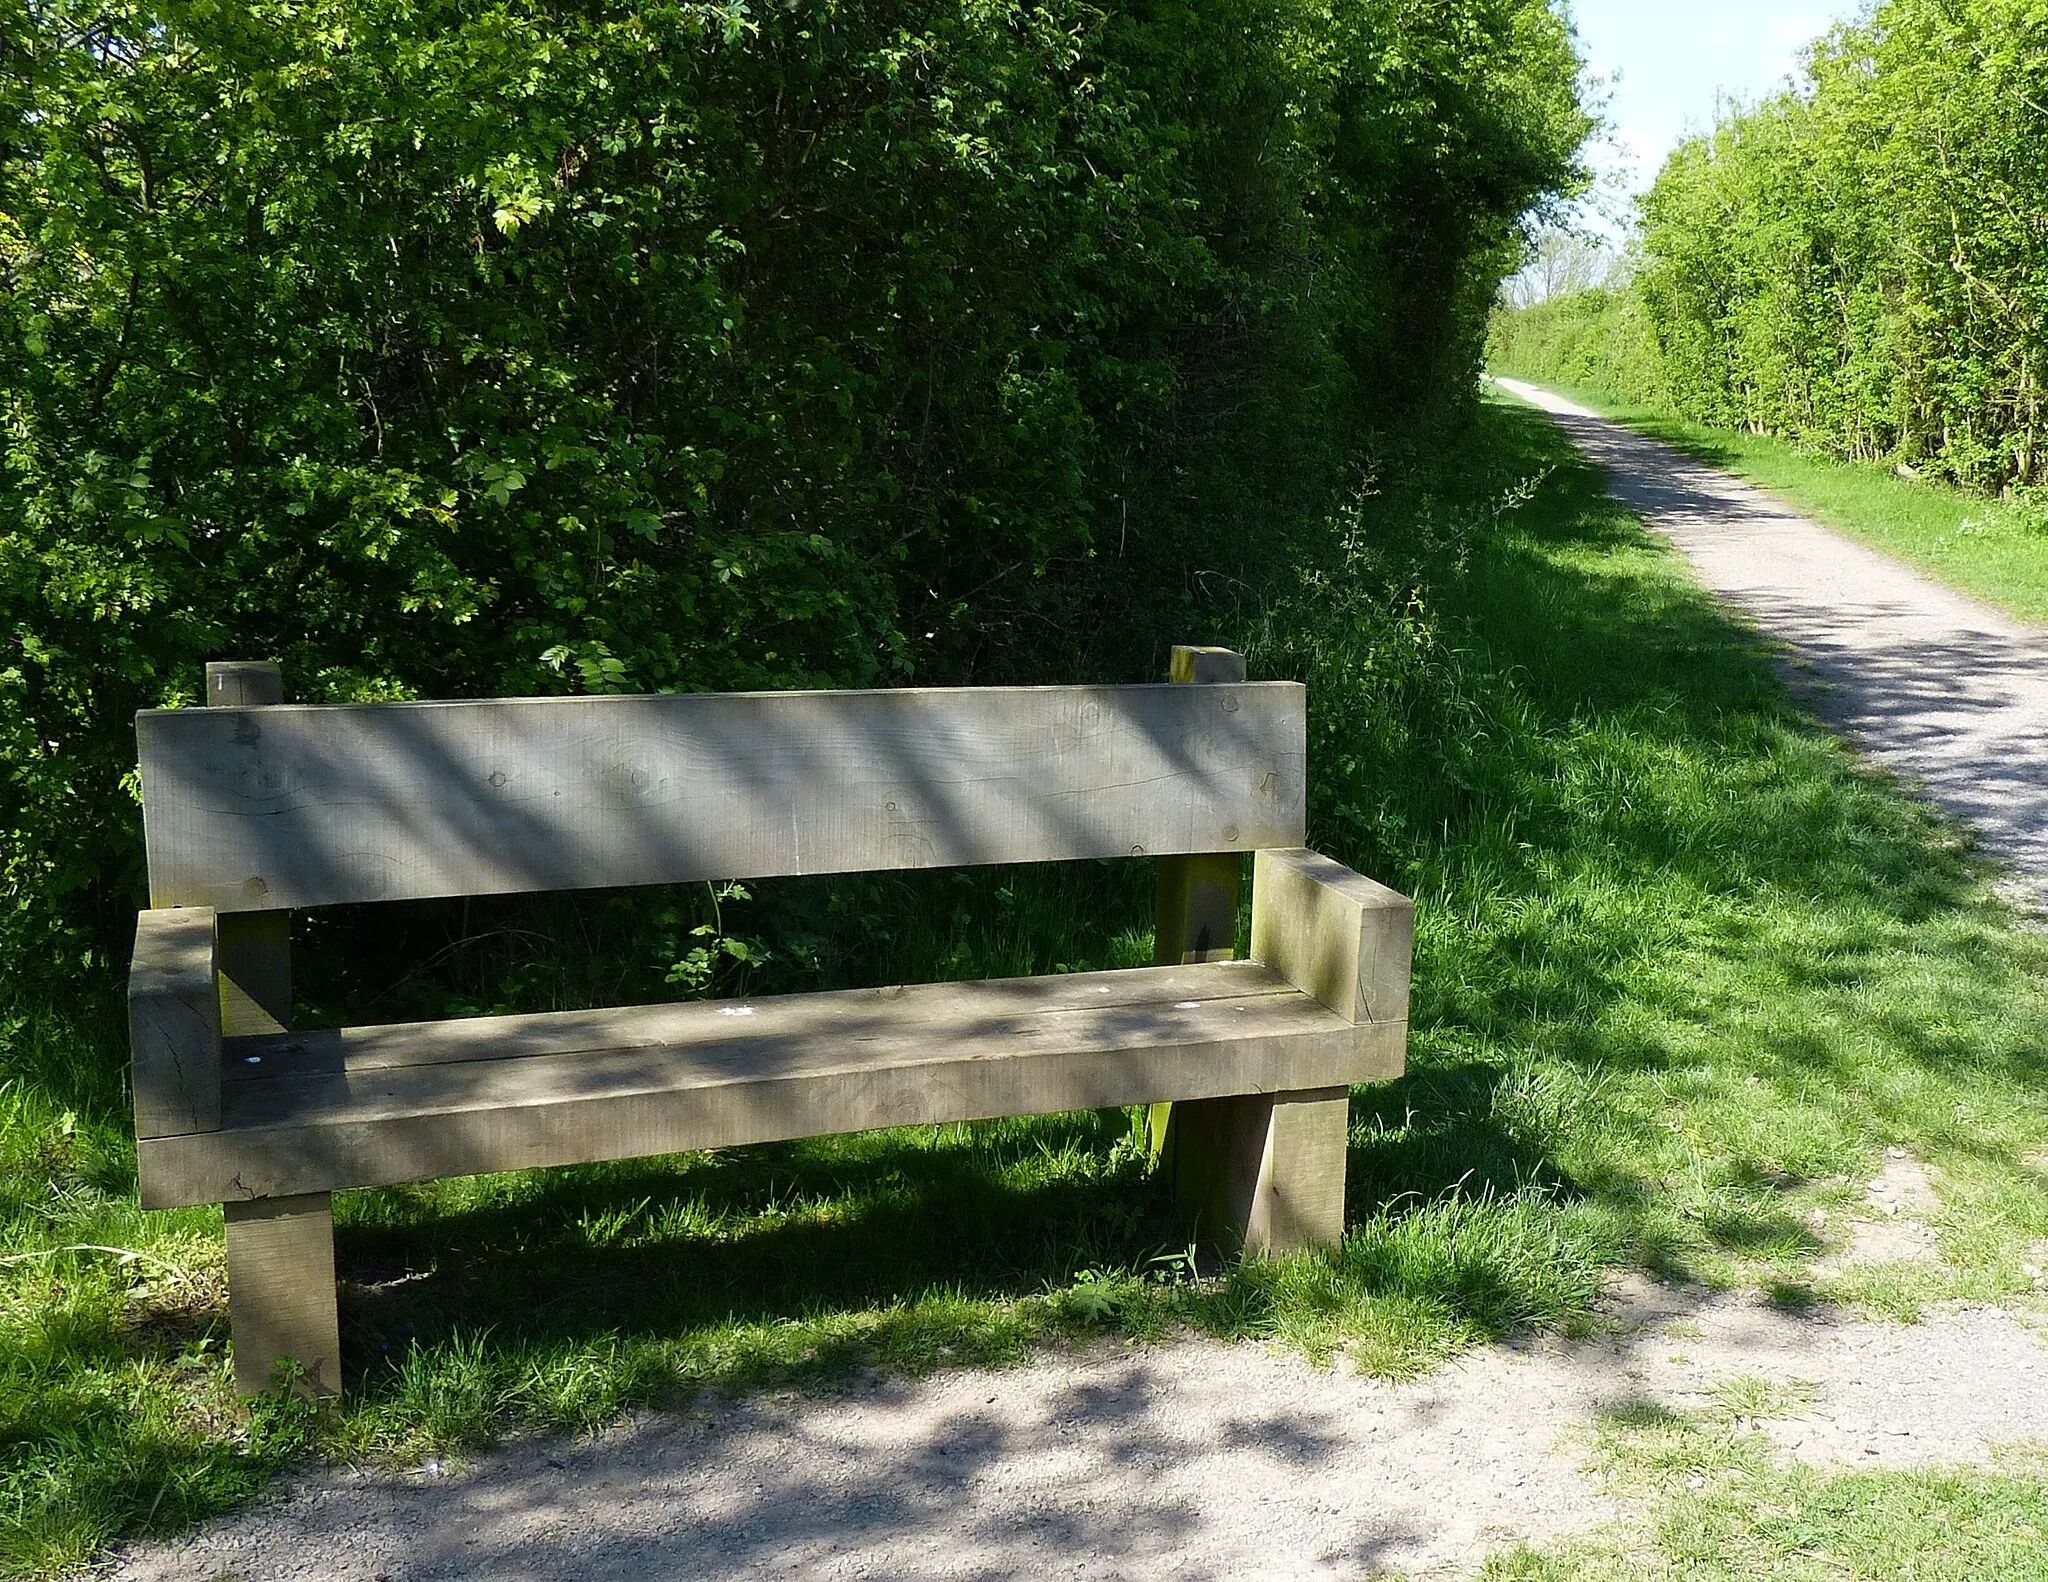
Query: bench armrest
x=1333, y=933
x=174, y=1022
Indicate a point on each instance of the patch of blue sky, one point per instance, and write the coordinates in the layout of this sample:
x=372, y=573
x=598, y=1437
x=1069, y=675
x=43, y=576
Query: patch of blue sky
x=1669, y=68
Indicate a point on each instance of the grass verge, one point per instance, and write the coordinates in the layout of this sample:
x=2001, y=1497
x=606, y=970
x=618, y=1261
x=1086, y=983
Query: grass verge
x=1720, y=1501
x=1683, y=970
x=1995, y=550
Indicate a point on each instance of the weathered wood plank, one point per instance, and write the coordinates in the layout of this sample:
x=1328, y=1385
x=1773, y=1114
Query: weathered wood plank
x=843, y=1014
x=174, y=1023
x=281, y=1299
x=746, y=1042
x=1264, y=1172
x=287, y=806
x=1333, y=933
x=750, y=1084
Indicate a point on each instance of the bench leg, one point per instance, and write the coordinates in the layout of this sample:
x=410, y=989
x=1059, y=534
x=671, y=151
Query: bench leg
x=1264, y=1171
x=281, y=1291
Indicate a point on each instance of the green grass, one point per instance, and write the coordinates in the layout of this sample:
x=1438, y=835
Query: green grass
x=1718, y=1502
x=1995, y=550
x=1683, y=971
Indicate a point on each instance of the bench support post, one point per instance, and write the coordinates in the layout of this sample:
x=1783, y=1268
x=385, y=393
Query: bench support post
x=1262, y=1172
x=1195, y=916
x=281, y=1292
x=281, y=1299
x=1348, y=941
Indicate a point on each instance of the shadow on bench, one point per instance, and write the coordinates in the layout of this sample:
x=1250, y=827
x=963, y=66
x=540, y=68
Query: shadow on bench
x=253, y=808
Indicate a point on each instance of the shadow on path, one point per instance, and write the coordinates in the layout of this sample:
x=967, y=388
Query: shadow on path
x=1948, y=694
x=1205, y=1461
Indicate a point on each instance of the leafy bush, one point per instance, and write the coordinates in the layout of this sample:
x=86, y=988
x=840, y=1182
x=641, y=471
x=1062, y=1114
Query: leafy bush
x=1598, y=339
x=458, y=347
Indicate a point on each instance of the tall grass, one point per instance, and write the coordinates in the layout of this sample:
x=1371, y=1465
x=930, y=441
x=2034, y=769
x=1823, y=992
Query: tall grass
x=1682, y=969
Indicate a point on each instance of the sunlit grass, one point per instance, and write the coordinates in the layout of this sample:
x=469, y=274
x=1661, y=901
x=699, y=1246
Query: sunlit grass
x=1718, y=1502
x=1683, y=971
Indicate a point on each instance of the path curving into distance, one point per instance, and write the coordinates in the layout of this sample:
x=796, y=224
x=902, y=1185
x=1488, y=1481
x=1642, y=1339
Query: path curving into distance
x=1947, y=693
x=1215, y=1463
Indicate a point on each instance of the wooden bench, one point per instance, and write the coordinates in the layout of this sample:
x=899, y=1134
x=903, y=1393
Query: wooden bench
x=253, y=807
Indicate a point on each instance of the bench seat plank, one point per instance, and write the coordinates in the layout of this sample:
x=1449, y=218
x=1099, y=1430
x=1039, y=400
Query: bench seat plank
x=374, y=1106
x=845, y=1013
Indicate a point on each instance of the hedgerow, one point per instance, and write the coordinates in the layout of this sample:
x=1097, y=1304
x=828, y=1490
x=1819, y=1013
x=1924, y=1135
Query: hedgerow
x=1860, y=263
x=459, y=347
x=1600, y=338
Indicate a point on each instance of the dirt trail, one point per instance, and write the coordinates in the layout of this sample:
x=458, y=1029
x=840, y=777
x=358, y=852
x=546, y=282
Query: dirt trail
x=1191, y=1460
x=1197, y=1460
x=1947, y=693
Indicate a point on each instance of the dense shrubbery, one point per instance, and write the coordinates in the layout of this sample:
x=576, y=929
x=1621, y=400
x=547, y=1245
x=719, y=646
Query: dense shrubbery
x=1600, y=338
x=1862, y=264
x=448, y=347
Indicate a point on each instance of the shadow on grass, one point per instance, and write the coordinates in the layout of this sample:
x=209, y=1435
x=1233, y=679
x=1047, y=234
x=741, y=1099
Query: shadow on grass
x=1685, y=439
x=996, y=1212
x=1646, y=796
x=751, y=1236
x=1680, y=964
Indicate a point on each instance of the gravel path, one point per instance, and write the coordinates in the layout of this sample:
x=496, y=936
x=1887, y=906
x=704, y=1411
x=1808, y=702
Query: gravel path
x=1947, y=693
x=1197, y=1460
x=1191, y=1460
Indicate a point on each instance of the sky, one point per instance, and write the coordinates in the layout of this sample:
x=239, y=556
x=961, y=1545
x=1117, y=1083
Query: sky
x=1673, y=58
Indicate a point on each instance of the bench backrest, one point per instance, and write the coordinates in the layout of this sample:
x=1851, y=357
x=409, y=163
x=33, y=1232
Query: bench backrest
x=260, y=809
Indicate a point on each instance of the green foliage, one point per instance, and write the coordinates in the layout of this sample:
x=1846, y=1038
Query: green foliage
x=459, y=347
x=1598, y=339
x=1682, y=971
x=1861, y=264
